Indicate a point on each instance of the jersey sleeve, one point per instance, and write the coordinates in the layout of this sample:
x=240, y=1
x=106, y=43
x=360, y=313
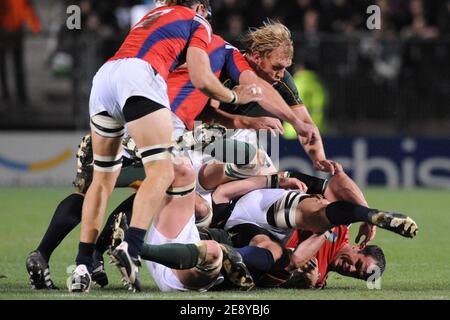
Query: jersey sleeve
x=235, y=63
x=289, y=91
x=201, y=33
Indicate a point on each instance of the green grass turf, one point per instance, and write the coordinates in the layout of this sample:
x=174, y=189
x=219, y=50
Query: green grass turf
x=416, y=269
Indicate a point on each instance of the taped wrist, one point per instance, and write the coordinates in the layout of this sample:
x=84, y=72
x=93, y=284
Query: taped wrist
x=235, y=99
x=273, y=181
x=327, y=234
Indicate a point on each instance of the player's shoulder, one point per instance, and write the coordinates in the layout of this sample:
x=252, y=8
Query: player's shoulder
x=288, y=81
x=217, y=40
x=288, y=90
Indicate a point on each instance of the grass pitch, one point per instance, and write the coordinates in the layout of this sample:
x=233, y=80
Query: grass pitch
x=416, y=269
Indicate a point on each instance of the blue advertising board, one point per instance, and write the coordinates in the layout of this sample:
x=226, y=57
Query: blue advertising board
x=401, y=162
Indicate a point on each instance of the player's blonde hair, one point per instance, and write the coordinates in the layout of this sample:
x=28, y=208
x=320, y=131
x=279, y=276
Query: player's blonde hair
x=270, y=36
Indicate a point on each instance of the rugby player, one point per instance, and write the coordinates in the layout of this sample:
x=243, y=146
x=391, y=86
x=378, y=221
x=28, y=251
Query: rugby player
x=131, y=89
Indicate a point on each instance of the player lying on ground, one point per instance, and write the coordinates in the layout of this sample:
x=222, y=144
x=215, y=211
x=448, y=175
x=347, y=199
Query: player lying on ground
x=263, y=217
x=250, y=227
x=330, y=252
x=334, y=254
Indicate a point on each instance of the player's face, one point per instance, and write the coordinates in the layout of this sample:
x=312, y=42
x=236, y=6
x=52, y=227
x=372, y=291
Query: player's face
x=351, y=263
x=272, y=66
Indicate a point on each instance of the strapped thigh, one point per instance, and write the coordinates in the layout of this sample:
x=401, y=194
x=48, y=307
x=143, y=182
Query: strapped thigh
x=156, y=152
x=282, y=213
x=179, y=192
x=106, y=126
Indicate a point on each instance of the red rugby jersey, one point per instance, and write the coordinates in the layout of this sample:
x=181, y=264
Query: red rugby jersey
x=162, y=37
x=335, y=242
x=185, y=100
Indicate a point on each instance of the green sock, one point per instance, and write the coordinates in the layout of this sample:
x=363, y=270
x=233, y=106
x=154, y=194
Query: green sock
x=172, y=255
x=130, y=174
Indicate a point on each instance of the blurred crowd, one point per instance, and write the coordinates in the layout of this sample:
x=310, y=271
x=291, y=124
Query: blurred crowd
x=331, y=38
x=402, y=18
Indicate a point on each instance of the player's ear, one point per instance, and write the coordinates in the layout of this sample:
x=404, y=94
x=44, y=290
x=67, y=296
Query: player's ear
x=256, y=56
x=200, y=9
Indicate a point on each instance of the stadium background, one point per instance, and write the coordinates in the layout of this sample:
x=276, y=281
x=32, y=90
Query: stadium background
x=381, y=98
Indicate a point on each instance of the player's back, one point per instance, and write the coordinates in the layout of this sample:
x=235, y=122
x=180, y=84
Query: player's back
x=187, y=101
x=162, y=37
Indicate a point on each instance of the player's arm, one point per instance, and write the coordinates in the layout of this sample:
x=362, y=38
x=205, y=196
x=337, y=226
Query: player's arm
x=315, y=152
x=204, y=79
x=212, y=113
x=234, y=189
x=275, y=104
x=239, y=70
x=306, y=250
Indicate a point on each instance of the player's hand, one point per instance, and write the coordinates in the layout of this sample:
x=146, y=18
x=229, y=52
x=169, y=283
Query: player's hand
x=292, y=183
x=248, y=93
x=368, y=231
x=330, y=166
x=307, y=131
x=310, y=272
x=260, y=123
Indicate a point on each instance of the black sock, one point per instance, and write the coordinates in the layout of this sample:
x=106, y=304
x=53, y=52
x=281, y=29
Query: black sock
x=67, y=216
x=256, y=258
x=85, y=251
x=104, y=239
x=173, y=255
x=345, y=213
x=135, y=239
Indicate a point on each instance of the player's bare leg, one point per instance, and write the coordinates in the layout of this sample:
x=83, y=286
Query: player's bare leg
x=212, y=175
x=96, y=198
x=106, y=144
x=152, y=130
x=203, y=212
x=152, y=134
x=317, y=214
x=342, y=187
x=176, y=215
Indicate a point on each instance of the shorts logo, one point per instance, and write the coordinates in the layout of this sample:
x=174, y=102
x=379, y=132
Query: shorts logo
x=36, y=166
